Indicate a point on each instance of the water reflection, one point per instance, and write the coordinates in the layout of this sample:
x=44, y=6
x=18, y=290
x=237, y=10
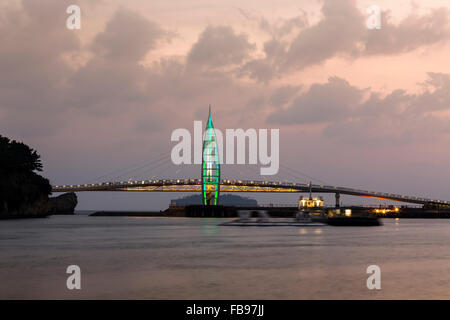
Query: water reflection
x=180, y=258
x=303, y=231
x=210, y=226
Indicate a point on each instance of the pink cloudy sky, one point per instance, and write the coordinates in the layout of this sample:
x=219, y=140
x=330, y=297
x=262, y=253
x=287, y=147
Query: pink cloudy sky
x=355, y=107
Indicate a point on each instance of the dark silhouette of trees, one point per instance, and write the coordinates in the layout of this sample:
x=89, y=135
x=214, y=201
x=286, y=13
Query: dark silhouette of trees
x=20, y=185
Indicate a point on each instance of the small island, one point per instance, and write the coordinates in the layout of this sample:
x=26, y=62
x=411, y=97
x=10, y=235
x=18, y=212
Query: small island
x=23, y=192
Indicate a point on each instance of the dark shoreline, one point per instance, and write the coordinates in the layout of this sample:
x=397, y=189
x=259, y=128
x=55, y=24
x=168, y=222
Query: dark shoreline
x=22, y=216
x=129, y=214
x=405, y=215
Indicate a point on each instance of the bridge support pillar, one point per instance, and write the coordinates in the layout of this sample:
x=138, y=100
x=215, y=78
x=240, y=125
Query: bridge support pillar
x=338, y=200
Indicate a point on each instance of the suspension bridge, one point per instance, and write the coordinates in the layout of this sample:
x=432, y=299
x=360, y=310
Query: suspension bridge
x=234, y=185
x=211, y=184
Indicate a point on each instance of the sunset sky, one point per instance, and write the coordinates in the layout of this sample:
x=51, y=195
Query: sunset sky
x=355, y=107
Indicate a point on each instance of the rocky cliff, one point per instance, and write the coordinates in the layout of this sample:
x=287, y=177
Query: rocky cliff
x=63, y=204
x=38, y=209
x=43, y=207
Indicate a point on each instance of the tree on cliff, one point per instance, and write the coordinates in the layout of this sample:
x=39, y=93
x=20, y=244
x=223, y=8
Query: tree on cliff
x=20, y=185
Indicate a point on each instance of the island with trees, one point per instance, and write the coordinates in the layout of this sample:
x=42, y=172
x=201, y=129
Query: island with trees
x=24, y=193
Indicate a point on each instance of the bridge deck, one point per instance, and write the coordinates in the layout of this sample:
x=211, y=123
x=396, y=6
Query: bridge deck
x=194, y=185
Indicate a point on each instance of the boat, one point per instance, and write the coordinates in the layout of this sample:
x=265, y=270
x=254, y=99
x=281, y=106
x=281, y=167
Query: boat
x=352, y=217
x=239, y=223
x=244, y=220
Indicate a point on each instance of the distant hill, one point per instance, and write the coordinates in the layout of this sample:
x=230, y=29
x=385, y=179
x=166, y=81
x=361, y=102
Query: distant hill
x=226, y=200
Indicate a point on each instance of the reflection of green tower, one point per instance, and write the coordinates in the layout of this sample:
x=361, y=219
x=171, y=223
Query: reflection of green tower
x=210, y=166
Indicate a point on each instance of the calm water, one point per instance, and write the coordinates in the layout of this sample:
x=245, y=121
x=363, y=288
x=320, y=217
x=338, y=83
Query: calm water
x=164, y=258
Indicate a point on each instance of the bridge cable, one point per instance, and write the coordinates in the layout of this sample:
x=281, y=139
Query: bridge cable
x=149, y=163
x=139, y=172
x=154, y=176
x=124, y=168
x=303, y=174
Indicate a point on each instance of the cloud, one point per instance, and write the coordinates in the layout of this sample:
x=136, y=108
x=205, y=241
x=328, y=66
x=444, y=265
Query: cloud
x=413, y=32
x=265, y=69
x=119, y=40
x=283, y=95
x=342, y=32
x=321, y=103
x=279, y=28
x=113, y=83
x=32, y=68
x=33, y=44
x=337, y=33
x=396, y=118
x=41, y=94
x=219, y=46
x=436, y=97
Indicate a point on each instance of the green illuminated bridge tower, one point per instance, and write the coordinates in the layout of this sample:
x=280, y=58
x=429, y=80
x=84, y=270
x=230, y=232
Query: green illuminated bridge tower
x=210, y=166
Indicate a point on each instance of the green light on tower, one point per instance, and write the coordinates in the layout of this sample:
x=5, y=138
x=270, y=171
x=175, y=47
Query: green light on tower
x=210, y=166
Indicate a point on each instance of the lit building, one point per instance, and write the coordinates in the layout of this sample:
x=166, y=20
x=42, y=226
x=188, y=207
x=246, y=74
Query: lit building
x=386, y=210
x=310, y=202
x=210, y=166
